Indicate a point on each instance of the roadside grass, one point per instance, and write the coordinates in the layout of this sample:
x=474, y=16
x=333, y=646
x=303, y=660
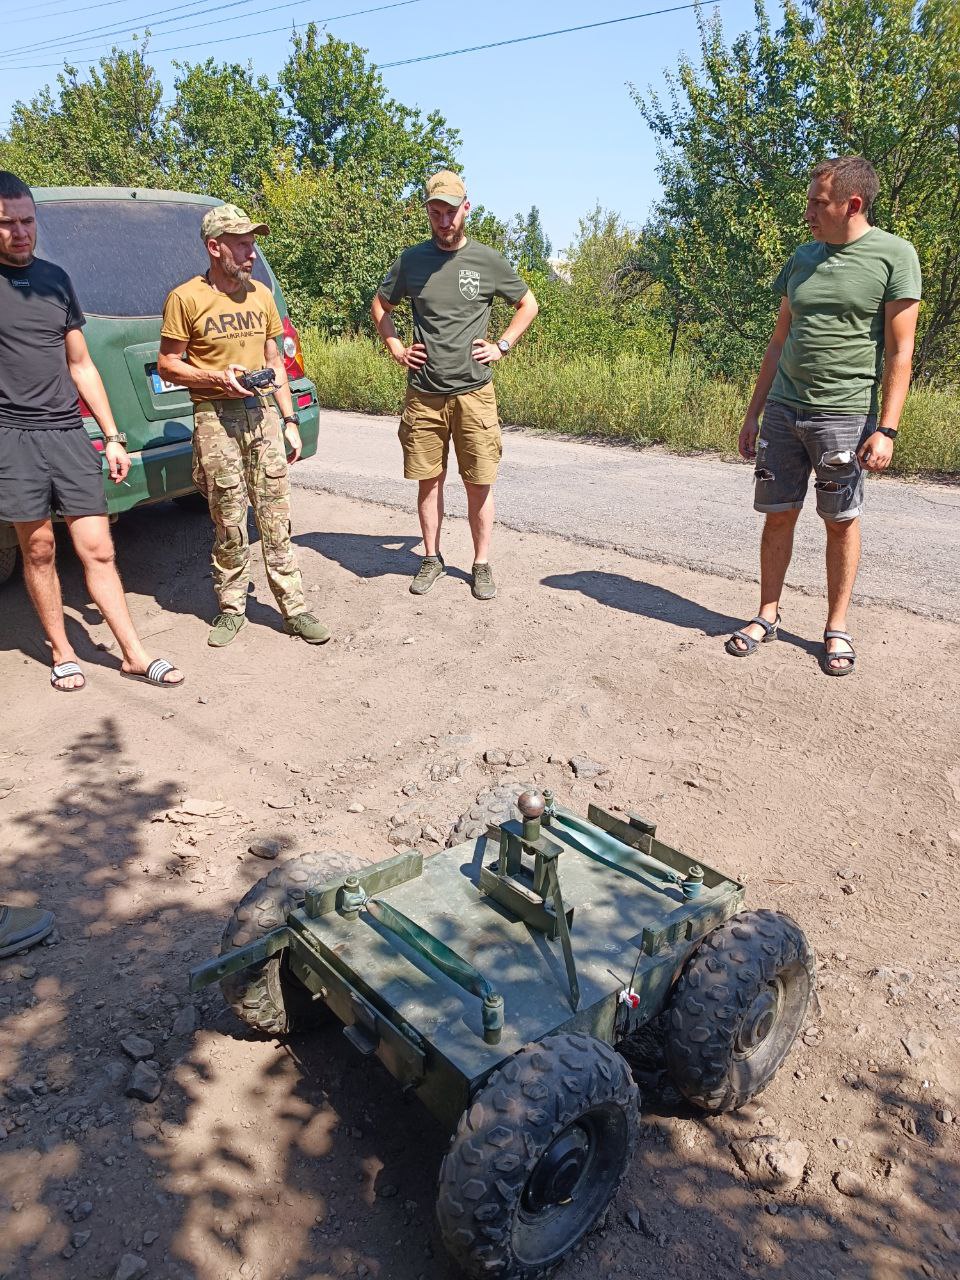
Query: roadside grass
x=629, y=399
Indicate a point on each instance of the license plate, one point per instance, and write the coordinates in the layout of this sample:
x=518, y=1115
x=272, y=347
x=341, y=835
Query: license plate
x=161, y=386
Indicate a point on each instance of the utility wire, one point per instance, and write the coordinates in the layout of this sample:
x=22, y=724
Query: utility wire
x=541, y=35
x=37, y=12
x=120, y=29
x=396, y=4
x=427, y=57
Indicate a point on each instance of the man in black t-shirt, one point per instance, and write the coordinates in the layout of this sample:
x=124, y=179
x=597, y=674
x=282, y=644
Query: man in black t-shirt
x=47, y=460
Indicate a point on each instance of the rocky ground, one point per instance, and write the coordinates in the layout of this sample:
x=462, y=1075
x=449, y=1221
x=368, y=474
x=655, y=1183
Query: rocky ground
x=147, y=1133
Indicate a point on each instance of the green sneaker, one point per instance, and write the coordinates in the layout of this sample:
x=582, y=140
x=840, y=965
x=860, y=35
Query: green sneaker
x=22, y=927
x=483, y=586
x=307, y=627
x=225, y=628
x=431, y=568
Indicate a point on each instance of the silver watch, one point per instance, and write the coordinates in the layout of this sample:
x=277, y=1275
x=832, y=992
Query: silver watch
x=504, y=346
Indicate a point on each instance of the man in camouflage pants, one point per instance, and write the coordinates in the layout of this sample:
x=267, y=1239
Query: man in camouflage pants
x=215, y=327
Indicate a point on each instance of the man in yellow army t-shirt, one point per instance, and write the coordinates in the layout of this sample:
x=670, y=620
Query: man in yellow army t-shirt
x=216, y=327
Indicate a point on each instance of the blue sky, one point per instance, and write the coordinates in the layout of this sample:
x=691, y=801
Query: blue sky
x=549, y=122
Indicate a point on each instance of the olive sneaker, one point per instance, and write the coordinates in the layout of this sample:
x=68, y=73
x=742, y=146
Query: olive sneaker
x=225, y=628
x=431, y=568
x=22, y=927
x=307, y=627
x=483, y=585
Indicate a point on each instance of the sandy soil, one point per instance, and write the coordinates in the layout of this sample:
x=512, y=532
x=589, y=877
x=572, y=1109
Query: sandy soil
x=837, y=800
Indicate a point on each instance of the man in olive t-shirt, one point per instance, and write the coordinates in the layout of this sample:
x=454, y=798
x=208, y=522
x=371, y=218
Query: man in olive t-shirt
x=848, y=315
x=451, y=282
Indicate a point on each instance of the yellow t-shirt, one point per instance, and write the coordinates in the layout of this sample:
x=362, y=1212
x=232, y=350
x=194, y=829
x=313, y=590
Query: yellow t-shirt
x=220, y=329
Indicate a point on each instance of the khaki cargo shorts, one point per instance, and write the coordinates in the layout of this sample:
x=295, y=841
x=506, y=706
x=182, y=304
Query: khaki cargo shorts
x=428, y=422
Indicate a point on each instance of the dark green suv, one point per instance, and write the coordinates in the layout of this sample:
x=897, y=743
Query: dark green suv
x=125, y=250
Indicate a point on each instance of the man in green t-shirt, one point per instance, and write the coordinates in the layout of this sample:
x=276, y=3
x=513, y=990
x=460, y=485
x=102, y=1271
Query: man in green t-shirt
x=848, y=315
x=451, y=282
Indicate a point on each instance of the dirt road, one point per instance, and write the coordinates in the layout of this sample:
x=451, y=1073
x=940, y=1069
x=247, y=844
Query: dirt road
x=130, y=811
x=695, y=512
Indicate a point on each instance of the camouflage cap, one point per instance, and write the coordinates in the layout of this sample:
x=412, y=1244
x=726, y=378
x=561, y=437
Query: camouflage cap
x=228, y=220
x=446, y=186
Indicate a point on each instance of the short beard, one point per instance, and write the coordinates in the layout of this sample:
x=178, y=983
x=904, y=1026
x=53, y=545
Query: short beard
x=16, y=259
x=240, y=274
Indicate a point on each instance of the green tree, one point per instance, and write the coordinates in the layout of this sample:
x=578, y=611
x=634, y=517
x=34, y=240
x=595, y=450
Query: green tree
x=105, y=130
x=738, y=135
x=224, y=128
x=530, y=246
x=486, y=227
x=332, y=237
x=343, y=116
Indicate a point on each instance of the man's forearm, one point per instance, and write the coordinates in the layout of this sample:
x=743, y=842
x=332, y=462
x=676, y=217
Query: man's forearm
x=173, y=369
x=90, y=388
x=281, y=391
x=768, y=371
x=896, y=384
x=383, y=319
x=524, y=315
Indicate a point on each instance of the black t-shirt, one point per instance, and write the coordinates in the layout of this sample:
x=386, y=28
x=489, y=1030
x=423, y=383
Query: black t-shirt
x=38, y=306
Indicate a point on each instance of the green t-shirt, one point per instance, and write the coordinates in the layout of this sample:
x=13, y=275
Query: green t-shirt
x=833, y=355
x=451, y=293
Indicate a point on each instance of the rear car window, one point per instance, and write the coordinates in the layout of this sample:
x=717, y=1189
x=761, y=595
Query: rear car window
x=124, y=256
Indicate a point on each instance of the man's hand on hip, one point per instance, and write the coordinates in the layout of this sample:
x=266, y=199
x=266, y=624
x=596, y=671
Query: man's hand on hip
x=747, y=444
x=486, y=352
x=117, y=461
x=294, y=444
x=412, y=357
x=875, y=452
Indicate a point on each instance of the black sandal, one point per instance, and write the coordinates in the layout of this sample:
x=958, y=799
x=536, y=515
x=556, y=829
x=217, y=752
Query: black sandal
x=750, y=643
x=829, y=657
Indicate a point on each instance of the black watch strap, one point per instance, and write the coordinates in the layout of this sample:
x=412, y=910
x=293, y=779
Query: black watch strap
x=889, y=432
x=294, y=418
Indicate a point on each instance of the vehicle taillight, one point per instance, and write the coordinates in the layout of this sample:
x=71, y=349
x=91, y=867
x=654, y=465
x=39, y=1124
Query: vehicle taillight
x=292, y=352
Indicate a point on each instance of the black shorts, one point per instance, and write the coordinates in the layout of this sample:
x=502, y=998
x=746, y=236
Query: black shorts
x=49, y=469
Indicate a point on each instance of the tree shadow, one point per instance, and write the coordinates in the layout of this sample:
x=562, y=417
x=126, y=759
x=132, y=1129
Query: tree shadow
x=304, y=1160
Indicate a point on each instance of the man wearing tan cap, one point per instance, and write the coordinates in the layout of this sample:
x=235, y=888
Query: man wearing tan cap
x=451, y=282
x=217, y=327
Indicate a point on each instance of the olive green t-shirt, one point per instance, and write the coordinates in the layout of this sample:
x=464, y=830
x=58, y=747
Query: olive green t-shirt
x=833, y=355
x=451, y=293
x=220, y=329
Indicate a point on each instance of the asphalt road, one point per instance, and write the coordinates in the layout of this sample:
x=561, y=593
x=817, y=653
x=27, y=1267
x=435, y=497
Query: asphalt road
x=695, y=512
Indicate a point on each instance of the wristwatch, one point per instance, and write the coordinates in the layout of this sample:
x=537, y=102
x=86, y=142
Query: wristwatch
x=504, y=346
x=117, y=438
x=293, y=419
x=889, y=432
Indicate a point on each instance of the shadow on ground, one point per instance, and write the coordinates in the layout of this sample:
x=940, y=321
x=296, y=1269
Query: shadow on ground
x=302, y=1160
x=632, y=595
x=371, y=555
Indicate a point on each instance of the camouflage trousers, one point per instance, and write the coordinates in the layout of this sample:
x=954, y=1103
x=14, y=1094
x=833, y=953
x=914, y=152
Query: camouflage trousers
x=239, y=460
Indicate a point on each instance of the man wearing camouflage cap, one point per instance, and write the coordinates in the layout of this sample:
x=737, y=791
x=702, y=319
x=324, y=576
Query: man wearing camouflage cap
x=216, y=327
x=451, y=282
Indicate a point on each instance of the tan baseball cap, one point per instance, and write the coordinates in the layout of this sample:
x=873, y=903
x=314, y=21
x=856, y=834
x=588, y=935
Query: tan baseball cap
x=446, y=186
x=229, y=220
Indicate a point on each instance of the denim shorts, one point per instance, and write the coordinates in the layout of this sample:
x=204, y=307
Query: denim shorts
x=793, y=442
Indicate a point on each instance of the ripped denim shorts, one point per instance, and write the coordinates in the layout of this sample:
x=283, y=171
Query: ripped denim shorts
x=793, y=442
